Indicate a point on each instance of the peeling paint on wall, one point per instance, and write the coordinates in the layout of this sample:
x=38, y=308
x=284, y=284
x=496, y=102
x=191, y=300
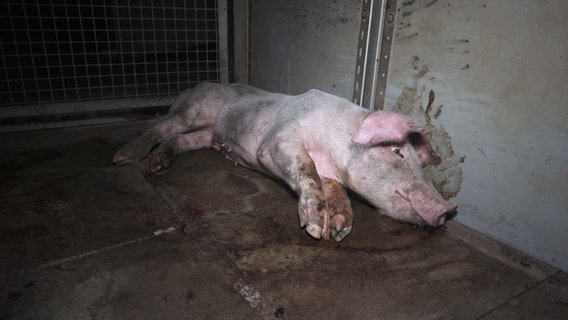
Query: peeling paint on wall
x=447, y=176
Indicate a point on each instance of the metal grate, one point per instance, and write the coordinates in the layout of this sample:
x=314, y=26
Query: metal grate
x=75, y=50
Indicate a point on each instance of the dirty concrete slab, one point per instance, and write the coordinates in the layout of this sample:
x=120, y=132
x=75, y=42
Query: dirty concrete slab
x=384, y=269
x=64, y=198
x=228, y=246
x=546, y=300
x=163, y=277
x=82, y=239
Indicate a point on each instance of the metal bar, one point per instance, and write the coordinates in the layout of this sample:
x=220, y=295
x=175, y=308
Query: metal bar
x=223, y=41
x=384, y=56
x=241, y=33
x=358, y=86
x=373, y=53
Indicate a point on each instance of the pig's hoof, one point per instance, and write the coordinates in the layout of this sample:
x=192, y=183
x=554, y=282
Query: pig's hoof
x=318, y=231
x=161, y=160
x=339, y=206
x=341, y=218
x=315, y=216
x=341, y=225
x=314, y=230
x=129, y=153
x=338, y=236
x=120, y=159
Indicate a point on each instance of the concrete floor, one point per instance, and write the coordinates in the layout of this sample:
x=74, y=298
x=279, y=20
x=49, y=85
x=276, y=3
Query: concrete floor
x=82, y=239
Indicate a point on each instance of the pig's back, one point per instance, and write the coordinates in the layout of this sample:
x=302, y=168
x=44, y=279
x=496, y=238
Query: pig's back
x=317, y=119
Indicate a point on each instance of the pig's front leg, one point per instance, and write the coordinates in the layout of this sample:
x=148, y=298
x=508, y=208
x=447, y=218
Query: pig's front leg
x=291, y=162
x=339, y=206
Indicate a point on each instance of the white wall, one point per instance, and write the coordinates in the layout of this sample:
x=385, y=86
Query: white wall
x=299, y=45
x=500, y=76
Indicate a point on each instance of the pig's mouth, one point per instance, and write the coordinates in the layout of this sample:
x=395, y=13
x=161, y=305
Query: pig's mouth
x=427, y=209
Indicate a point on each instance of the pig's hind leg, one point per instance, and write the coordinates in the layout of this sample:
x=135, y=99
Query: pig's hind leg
x=339, y=206
x=195, y=109
x=163, y=155
x=138, y=148
x=292, y=163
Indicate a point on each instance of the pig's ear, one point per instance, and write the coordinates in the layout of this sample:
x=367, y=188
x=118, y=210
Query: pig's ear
x=426, y=154
x=381, y=127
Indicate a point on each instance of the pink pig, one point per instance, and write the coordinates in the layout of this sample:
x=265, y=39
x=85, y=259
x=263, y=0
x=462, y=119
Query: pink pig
x=315, y=142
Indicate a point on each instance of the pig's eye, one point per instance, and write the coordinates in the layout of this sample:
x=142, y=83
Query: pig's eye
x=398, y=152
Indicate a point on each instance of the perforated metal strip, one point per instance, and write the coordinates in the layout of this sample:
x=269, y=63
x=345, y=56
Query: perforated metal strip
x=373, y=52
x=384, y=56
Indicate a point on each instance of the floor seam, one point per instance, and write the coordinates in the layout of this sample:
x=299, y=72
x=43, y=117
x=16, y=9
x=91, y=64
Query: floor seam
x=526, y=289
x=79, y=256
x=231, y=272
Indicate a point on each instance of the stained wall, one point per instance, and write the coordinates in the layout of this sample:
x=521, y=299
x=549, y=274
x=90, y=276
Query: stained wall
x=499, y=73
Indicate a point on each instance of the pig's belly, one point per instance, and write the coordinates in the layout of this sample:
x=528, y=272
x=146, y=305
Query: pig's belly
x=244, y=153
x=242, y=129
x=239, y=144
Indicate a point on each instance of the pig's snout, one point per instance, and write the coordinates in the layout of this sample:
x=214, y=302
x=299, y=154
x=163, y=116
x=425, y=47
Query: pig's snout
x=429, y=205
x=439, y=214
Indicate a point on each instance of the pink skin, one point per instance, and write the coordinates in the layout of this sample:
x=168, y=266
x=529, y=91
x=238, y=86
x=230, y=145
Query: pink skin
x=315, y=142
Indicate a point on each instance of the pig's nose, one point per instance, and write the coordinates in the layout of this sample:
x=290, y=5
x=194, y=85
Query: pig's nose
x=447, y=210
x=428, y=204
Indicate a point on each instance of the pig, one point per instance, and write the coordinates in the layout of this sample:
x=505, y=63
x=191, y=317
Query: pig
x=317, y=143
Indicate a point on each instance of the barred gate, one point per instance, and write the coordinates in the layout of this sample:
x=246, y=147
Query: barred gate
x=61, y=51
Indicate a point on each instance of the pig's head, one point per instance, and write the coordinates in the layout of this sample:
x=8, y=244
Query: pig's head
x=386, y=168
